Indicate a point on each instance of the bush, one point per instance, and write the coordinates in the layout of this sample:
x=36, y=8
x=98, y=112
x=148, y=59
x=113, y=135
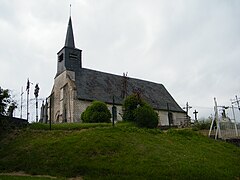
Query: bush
x=97, y=112
x=129, y=105
x=138, y=111
x=145, y=116
x=201, y=125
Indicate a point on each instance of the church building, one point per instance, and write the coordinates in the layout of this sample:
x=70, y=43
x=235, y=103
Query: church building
x=75, y=87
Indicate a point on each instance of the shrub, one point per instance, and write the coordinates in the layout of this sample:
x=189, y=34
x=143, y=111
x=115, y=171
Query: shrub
x=145, y=116
x=129, y=105
x=138, y=111
x=203, y=124
x=95, y=113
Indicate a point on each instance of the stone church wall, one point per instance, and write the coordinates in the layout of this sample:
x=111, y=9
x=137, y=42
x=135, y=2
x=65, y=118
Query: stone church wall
x=81, y=105
x=63, y=96
x=67, y=108
x=178, y=118
x=119, y=111
x=163, y=118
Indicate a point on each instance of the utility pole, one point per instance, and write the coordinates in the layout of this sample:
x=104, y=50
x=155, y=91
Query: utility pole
x=195, y=114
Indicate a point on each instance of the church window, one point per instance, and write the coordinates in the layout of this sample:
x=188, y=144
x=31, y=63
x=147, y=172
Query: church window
x=60, y=58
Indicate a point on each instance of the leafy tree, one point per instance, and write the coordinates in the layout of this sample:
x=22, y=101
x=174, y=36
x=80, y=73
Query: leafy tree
x=95, y=113
x=7, y=104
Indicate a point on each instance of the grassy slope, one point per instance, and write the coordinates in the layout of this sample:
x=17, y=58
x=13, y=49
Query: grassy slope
x=120, y=152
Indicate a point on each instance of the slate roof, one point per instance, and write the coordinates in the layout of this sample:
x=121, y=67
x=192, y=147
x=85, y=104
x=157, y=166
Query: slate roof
x=69, y=41
x=95, y=85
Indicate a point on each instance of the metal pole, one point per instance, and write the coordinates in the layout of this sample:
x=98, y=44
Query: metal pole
x=50, y=109
x=27, y=102
x=113, y=112
x=234, y=118
x=237, y=102
x=210, y=130
x=21, y=102
x=218, y=132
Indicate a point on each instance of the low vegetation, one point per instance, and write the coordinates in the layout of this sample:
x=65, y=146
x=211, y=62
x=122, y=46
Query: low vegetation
x=146, y=117
x=67, y=126
x=97, y=112
x=139, y=112
x=7, y=103
x=100, y=151
x=203, y=124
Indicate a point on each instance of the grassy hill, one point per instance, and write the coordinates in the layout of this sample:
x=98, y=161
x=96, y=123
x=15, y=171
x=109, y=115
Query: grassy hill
x=123, y=152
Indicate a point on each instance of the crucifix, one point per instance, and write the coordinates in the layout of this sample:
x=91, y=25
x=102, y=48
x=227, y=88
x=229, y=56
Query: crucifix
x=195, y=113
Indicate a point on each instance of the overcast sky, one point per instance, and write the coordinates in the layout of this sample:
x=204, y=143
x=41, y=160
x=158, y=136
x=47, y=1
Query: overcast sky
x=192, y=47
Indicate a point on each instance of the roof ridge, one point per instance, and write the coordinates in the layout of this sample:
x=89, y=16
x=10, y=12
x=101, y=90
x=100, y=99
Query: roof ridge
x=133, y=78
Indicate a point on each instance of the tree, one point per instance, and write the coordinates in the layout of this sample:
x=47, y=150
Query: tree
x=97, y=112
x=7, y=104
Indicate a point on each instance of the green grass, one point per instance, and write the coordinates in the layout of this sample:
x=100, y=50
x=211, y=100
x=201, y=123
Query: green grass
x=68, y=126
x=14, y=177
x=122, y=152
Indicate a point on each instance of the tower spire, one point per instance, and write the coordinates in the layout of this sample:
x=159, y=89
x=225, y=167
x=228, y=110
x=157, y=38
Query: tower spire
x=69, y=57
x=69, y=42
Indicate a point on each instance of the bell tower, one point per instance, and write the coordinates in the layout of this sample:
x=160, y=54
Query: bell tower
x=69, y=57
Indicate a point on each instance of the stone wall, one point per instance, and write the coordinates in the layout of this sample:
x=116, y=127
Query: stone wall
x=81, y=105
x=8, y=123
x=178, y=118
x=63, y=95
